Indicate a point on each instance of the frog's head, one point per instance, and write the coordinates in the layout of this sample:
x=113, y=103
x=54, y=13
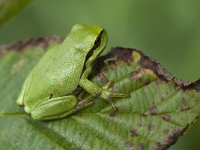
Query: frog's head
x=93, y=40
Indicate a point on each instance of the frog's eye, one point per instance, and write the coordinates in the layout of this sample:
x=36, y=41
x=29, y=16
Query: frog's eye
x=95, y=51
x=98, y=41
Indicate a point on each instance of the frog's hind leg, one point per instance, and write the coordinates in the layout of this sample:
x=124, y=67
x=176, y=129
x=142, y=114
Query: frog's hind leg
x=60, y=107
x=54, y=107
x=80, y=105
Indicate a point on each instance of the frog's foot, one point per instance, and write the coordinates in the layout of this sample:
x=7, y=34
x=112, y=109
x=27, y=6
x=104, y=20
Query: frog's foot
x=107, y=95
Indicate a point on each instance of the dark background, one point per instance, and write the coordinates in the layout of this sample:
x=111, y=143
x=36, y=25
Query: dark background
x=168, y=31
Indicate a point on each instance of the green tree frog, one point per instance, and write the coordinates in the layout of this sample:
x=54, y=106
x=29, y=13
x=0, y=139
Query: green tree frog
x=47, y=92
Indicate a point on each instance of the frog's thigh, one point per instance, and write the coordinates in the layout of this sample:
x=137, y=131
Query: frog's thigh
x=54, y=107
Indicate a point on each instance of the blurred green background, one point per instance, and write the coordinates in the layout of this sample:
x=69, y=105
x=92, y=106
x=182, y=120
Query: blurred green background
x=168, y=31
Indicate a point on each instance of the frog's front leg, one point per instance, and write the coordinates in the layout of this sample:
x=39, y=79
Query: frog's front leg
x=94, y=89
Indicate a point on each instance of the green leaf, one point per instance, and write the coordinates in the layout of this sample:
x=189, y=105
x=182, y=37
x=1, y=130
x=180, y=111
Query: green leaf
x=160, y=109
x=9, y=8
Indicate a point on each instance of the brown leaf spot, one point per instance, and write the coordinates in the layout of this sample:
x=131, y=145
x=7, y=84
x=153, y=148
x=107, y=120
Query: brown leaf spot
x=181, y=82
x=153, y=110
x=112, y=114
x=124, y=54
x=172, y=139
x=128, y=144
x=195, y=86
x=41, y=42
x=162, y=98
x=150, y=127
x=136, y=75
x=141, y=146
x=166, y=131
x=166, y=117
x=177, y=132
x=134, y=132
x=139, y=75
x=143, y=114
x=185, y=106
x=157, y=146
x=128, y=55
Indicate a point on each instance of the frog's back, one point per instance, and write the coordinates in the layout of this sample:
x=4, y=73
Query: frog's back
x=59, y=70
x=57, y=73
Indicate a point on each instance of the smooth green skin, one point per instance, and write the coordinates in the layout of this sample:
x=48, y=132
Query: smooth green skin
x=47, y=91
